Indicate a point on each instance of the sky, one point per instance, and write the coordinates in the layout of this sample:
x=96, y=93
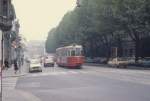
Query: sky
x=37, y=17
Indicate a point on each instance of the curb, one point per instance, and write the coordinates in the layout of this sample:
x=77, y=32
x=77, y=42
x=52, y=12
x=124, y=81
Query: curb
x=19, y=94
x=108, y=66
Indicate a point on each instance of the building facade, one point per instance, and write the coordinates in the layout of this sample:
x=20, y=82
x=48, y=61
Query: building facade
x=124, y=47
x=128, y=46
x=7, y=16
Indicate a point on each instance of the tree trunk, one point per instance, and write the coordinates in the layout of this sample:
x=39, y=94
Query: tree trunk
x=137, y=51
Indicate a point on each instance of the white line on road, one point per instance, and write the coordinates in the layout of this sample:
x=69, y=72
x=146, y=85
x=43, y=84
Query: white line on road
x=9, y=83
x=56, y=73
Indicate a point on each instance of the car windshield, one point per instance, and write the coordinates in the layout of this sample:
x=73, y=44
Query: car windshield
x=49, y=58
x=35, y=61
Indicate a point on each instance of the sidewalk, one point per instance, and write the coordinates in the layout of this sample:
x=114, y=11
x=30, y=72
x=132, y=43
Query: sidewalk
x=13, y=96
x=18, y=95
x=9, y=78
x=9, y=92
x=10, y=72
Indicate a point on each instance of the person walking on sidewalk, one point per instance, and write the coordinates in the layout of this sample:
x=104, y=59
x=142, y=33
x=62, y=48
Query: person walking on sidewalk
x=6, y=64
x=14, y=59
x=15, y=65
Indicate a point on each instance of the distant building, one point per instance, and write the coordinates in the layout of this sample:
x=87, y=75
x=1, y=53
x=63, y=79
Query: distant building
x=125, y=47
x=7, y=15
x=36, y=48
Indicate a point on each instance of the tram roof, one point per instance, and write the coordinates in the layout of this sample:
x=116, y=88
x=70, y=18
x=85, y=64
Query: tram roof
x=71, y=46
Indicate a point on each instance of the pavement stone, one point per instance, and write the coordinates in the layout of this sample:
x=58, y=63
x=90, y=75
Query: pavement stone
x=18, y=95
x=9, y=92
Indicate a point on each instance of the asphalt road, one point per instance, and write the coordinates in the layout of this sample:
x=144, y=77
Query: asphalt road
x=87, y=84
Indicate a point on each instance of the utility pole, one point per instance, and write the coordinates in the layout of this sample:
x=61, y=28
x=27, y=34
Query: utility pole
x=2, y=47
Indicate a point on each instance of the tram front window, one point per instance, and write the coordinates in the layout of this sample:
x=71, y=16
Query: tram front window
x=78, y=52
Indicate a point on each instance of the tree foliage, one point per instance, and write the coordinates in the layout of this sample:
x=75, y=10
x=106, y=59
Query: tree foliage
x=99, y=24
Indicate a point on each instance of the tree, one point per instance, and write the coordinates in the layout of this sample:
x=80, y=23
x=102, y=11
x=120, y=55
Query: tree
x=134, y=18
x=98, y=25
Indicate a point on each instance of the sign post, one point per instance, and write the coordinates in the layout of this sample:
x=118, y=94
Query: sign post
x=1, y=47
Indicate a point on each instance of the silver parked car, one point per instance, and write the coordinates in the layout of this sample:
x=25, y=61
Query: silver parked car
x=49, y=61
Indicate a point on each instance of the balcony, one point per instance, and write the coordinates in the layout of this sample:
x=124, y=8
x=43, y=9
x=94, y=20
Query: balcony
x=5, y=23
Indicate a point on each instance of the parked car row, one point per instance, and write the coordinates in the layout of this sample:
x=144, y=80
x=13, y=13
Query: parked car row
x=49, y=61
x=118, y=62
x=124, y=62
x=145, y=62
x=96, y=60
x=36, y=64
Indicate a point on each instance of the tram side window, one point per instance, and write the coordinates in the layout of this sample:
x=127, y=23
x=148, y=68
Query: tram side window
x=65, y=52
x=73, y=53
x=68, y=53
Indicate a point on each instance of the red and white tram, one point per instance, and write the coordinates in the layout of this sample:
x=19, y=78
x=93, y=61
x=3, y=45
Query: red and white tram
x=70, y=56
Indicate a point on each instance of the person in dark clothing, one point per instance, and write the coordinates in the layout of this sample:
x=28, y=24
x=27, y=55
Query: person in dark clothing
x=6, y=64
x=22, y=61
x=15, y=66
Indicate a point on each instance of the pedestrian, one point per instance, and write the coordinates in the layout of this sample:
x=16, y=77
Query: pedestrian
x=15, y=65
x=22, y=61
x=6, y=64
x=14, y=59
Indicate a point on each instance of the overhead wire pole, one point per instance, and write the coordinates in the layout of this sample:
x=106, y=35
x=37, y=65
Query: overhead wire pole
x=1, y=62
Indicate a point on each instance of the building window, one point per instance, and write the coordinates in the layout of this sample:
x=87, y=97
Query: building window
x=131, y=52
x=5, y=7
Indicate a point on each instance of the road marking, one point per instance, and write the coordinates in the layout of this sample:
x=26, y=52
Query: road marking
x=73, y=72
x=9, y=83
x=56, y=73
